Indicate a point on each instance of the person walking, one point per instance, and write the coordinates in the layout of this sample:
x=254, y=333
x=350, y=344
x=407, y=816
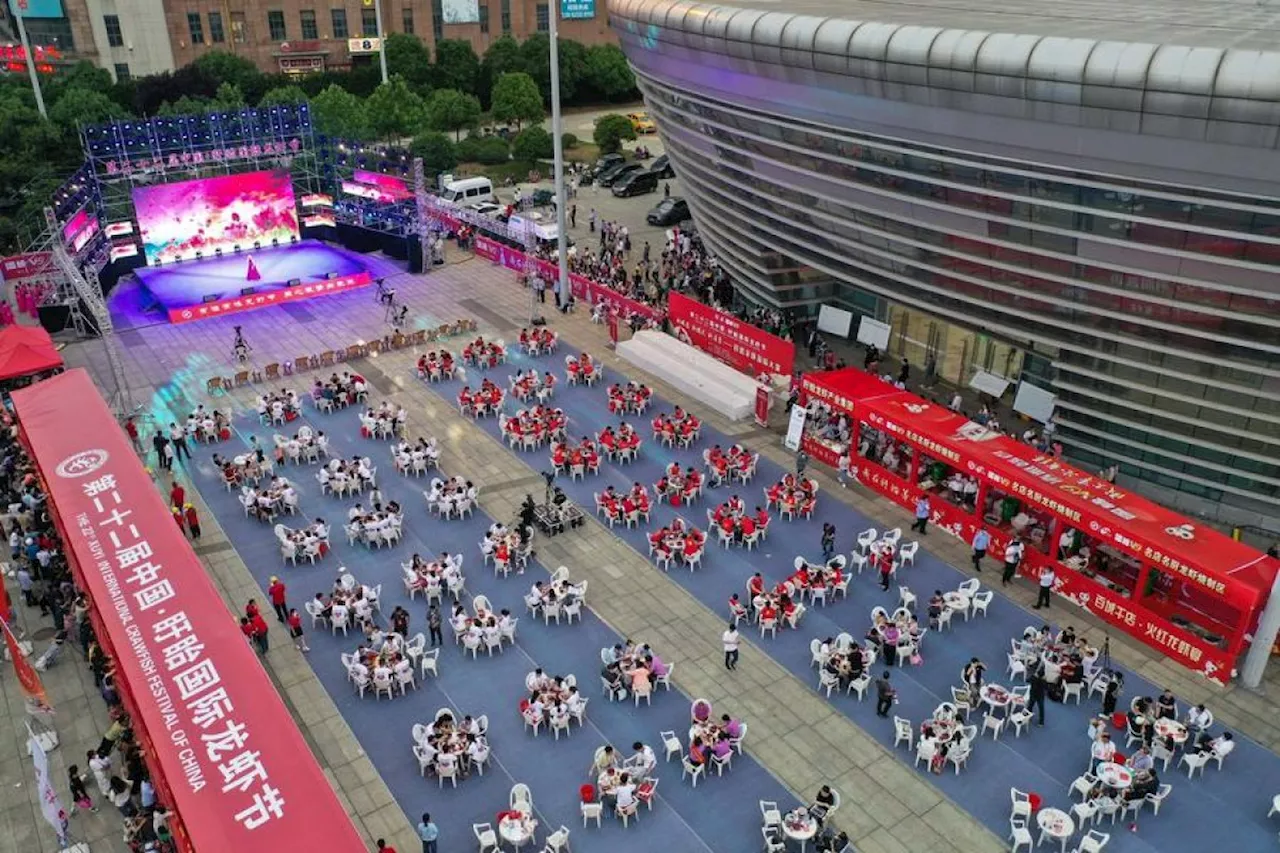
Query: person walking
x=842, y=469
x=802, y=460
x=573, y=216
x=591, y=220
x=1012, y=557
x=429, y=833
x=79, y=793
x=178, y=436
x=730, y=640
x=885, y=695
x=160, y=444
x=1039, y=688
x=131, y=429
x=193, y=521
x=433, y=625
x=981, y=541
x=828, y=540
x=1047, y=578
x=277, y=592
x=295, y=630
x=922, y=515
x=884, y=562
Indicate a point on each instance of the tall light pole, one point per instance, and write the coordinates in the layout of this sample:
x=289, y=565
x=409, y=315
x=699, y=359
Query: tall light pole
x=20, y=7
x=557, y=141
x=382, y=40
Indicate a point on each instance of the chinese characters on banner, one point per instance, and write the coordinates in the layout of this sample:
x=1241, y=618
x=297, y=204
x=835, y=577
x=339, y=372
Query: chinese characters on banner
x=236, y=304
x=50, y=803
x=187, y=159
x=224, y=744
x=739, y=345
x=30, y=265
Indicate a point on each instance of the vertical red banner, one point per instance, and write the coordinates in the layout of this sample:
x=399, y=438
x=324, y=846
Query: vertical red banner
x=613, y=327
x=32, y=687
x=762, y=406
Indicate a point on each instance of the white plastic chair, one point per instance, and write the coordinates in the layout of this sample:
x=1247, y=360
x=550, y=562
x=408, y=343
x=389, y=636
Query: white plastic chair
x=486, y=836
x=902, y=732
x=671, y=743
x=1019, y=834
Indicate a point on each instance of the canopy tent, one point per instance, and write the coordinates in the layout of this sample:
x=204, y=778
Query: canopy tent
x=25, y=350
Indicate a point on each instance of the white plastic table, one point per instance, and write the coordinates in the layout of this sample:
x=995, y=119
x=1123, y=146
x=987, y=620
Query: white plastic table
x=1057, y=824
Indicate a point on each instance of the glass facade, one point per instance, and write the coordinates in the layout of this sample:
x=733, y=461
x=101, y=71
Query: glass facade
x=1151, y=310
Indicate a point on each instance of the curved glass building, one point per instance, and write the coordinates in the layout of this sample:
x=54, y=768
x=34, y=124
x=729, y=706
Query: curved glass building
x=1083, y=196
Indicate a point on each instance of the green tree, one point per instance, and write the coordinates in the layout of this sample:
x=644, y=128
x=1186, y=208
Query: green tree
x=611, y=130
x=229, y=96
x=408, y=57
x=437, y=151
x=449, y=109
x=395, y=110
x=533, y=143
x=83, y=75
x=229, y=68
x=502, y=57
x=488, y=150
x=457, y=66
x=76, y=107
x=607, y=72
x=186, y=105
x=337, y=112
x=516, y=99
x=282, y=95
x=535, y=56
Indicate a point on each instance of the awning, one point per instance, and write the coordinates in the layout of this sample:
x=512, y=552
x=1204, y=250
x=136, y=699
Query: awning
x=25, y=350
x=240, y=775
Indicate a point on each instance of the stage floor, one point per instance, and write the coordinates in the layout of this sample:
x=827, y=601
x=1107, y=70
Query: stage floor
x=193, y=290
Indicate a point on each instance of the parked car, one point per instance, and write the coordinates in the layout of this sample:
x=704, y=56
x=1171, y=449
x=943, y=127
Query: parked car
x=641, y=123
x=487, y=209
x=611, y=176
x=669, y=211
x=635, y=183
x=606, y=163
x=662, y=167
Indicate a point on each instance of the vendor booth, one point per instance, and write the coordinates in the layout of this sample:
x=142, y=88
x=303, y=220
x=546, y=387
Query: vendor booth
x=224, y=752
x=1178, y=586
x=26, y=351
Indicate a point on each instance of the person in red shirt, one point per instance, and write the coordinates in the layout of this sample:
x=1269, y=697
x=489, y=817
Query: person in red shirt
x=251, y=609
x=756, y=585
x=762, y=517
x=276, y=592
x=295, y=630
x=748, y=526
x=131, y=429
x=246, y=628
x=177, y=516
x=726, y=524
x=193, y=522
x=768, y=612
x=177, y=495
x=260, y=638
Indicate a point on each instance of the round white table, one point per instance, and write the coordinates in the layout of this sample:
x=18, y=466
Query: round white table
x=517, y=832
x=1057, y=824
x=1171, y=728
x=956, y=601
x=1114, y=775
x=799, y=829
x=995, y=696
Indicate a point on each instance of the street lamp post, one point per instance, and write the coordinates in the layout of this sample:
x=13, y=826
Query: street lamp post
x=557, y=140
x=31, y=60
x=382, y=41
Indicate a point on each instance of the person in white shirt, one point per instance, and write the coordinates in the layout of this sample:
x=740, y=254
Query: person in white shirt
x=1199, y=718
x=1047, y=579
x=625, y=794
x=1097, y=726
x=576, y=702
x=1066, y=542
x=1103, y=750
x=730, y=640
x=645, y=755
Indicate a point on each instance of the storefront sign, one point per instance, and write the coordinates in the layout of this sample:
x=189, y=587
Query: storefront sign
x=577, y=9
x=739, y=345
x=361, y=46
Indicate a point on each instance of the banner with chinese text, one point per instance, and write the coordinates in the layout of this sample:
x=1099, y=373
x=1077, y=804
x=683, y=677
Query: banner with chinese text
x=740, y=345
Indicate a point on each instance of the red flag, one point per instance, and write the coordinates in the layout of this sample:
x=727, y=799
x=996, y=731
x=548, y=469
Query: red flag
x=27, y=675
x=6, y=606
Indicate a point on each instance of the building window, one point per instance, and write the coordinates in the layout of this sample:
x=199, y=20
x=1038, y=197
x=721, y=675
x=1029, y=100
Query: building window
x=115, y=37
x=216, y=34
x=195, y=28
x=238, y=28
x=309, y=28
x=339, y=19
x=484, y=19
x=437, y=20
x=122, y=69
x=506, y=17
x=406, y=20
x=369, y=22
x=276, y=27
x=544, y=18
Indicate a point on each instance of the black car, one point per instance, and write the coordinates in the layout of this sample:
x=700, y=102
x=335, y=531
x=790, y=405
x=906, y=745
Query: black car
x=636, y=183
x=662, y=167
x=611, y=176
x=605, y=163
x=669, y=211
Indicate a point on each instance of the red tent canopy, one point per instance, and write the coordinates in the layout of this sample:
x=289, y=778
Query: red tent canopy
x=25, y=350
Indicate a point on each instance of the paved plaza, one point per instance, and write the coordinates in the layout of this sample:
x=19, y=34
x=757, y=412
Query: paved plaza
x=798, y=738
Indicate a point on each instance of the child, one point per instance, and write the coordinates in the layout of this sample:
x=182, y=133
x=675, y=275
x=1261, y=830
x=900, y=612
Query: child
x=843, y=474
x=79, y=794
x=295, y=630
x=193, y=522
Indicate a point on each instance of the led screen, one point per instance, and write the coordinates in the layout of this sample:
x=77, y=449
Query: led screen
x=79, y=229
x=178, y=220
x=368, y=191
x=395, y=186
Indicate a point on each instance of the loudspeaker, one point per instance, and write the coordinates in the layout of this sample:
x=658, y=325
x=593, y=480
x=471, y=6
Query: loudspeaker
x=248, y=291
x=211, y=297
x=333, y=275
x=217, y=253
x=54, y=318
x=294, y=282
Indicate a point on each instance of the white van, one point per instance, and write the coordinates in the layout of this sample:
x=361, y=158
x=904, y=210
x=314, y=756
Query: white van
x=467, y=190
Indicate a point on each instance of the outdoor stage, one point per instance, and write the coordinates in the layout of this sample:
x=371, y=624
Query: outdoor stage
x=194, y=290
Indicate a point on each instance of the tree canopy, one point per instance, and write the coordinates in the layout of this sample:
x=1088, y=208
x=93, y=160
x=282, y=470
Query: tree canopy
x=395, y=110
x=449, y=109
x=610, y=132
x=516, y=99
x=408, y=57
x=457, y=66
x=337, y=112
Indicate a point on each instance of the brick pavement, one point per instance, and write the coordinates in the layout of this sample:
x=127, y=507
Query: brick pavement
x=795, y=733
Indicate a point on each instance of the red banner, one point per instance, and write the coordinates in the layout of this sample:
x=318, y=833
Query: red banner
x=28, y=678
x=584, y=289
x=762, y=406
x=236, y=304
x=739, y=345
x=240, y=774
x=32, y=265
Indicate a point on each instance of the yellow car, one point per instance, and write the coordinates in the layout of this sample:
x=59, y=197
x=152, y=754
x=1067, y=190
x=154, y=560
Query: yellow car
x=641, y=123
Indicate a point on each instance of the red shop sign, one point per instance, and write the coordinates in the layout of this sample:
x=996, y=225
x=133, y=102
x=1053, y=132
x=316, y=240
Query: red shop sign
x=739, y=345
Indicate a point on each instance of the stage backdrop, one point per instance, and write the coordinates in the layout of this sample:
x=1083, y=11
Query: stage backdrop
x=178, y=220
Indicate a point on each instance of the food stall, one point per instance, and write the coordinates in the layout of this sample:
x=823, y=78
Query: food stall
x=1180, y=587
